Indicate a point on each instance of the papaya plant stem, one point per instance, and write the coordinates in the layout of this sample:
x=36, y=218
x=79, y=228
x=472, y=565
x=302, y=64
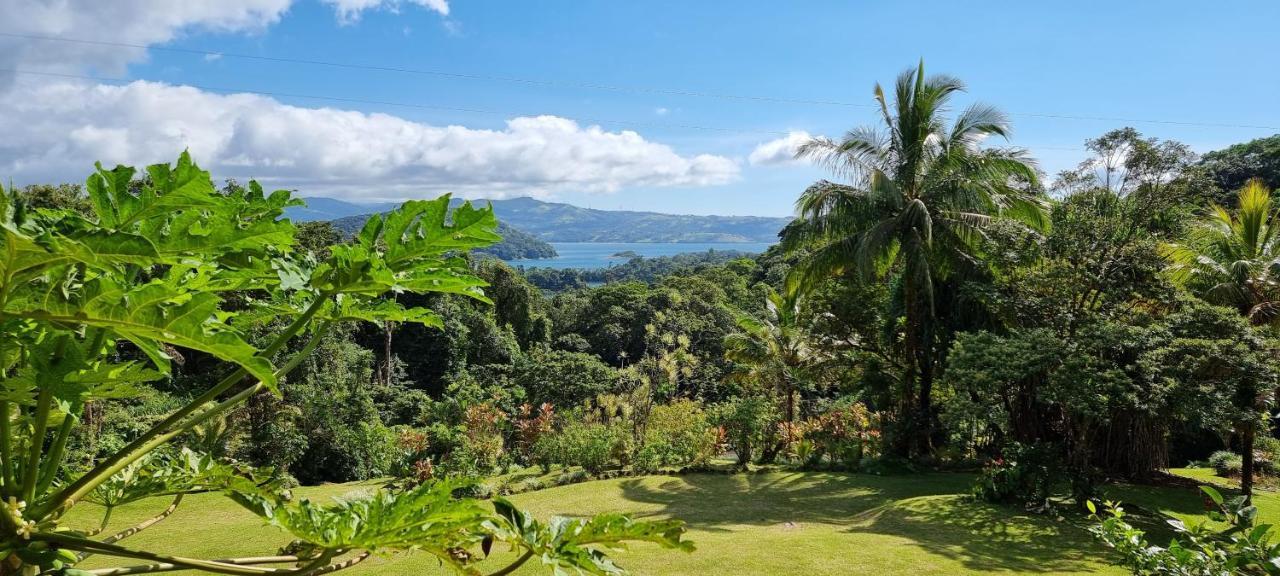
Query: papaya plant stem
x=36, y=445
x=44, y=403
x=69, y=496
x=107, y=468
x=164, y=567
x=102, y=526
x=136, y=528
x=75, y=543
x=152, y=521
x=514, y=565
x=6, y=454
x=54, y=460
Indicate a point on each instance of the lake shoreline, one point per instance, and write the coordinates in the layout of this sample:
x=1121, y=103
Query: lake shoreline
x=597, y=255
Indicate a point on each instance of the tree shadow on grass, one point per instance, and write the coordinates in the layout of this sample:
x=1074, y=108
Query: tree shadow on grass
x=985, y=537
x=930, y=511
x=715, y=501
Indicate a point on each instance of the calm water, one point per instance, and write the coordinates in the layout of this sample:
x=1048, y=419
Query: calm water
x=600, y=254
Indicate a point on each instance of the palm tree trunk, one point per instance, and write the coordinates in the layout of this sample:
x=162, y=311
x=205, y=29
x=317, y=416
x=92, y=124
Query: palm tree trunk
x=1246, y=461
x=924, y=420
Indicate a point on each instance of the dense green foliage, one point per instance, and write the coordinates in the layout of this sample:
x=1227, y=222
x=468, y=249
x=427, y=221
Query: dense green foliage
x=1242, y=547
x=1233, y=166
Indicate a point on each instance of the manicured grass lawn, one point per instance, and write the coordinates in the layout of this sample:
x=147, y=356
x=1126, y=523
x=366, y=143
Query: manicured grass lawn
x=771, y=523
x=1188, y=505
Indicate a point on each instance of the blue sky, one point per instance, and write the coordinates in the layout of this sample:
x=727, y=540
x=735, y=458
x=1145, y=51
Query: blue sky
x=1168, y=61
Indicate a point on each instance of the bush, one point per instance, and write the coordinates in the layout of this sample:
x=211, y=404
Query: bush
x=481, y=448
x=413, y=459
x=531, y=425
x=1226, y=463
x=745, y=422
x=1025, y=473
x=846, y=433
x=678, y=434
x=592, y=446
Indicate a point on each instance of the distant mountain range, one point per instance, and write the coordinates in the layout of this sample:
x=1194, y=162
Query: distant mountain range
x=556, y=222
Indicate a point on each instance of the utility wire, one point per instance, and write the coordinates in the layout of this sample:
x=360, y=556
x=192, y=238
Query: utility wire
x=594, y=86
x=441, y=73
x=275, y=94
x=418, y=106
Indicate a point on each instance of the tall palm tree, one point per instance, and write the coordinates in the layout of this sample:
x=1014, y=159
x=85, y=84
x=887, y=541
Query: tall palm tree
x=775, y=350
x=1234, y=260
x=918, y=194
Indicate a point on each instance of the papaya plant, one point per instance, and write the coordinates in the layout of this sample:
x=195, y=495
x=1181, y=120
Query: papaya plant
x=93, y=306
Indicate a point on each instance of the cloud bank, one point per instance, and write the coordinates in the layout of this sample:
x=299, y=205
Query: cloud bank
x=55, y=130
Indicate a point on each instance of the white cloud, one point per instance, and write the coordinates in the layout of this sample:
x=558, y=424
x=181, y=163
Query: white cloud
x=212, y=57
x=779, y=151
x=54, y=131
x=142, y=22
x=349, y=11
x=661, y=111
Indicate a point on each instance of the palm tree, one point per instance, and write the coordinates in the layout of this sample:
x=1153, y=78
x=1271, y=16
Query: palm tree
x=775, y=350
x=919, y=193
x=1234, y=260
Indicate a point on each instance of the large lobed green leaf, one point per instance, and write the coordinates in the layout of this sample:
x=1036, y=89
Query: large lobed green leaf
x=148, y=315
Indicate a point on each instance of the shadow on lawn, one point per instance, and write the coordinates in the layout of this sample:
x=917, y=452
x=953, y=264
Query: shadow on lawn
x=713, y=501
x=931, y=511
x=984, y=537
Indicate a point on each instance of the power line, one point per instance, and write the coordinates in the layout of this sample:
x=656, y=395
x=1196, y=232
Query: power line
x=443, y=73
x=596, y=86
x=418, y=106
x=275, y=94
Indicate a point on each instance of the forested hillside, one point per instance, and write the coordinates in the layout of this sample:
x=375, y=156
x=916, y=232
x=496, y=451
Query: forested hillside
x=555, y=222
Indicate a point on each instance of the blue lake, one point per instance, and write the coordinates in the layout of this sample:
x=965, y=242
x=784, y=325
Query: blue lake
x=601, y=254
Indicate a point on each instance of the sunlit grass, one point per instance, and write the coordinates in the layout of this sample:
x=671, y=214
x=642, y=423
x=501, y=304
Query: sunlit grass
x=773, y=523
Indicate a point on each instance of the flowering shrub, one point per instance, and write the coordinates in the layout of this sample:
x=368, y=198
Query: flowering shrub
x=414, y=461
x=481, y=448
x=531, y=426
x=845, y=433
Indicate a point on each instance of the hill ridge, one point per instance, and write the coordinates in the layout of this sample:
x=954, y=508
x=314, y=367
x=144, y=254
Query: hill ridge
x=562, y=222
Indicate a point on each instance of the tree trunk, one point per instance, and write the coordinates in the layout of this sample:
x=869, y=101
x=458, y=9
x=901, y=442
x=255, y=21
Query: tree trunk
x=791, y=404
x=386, y=352
x=924, y=420
x=1246, y=461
